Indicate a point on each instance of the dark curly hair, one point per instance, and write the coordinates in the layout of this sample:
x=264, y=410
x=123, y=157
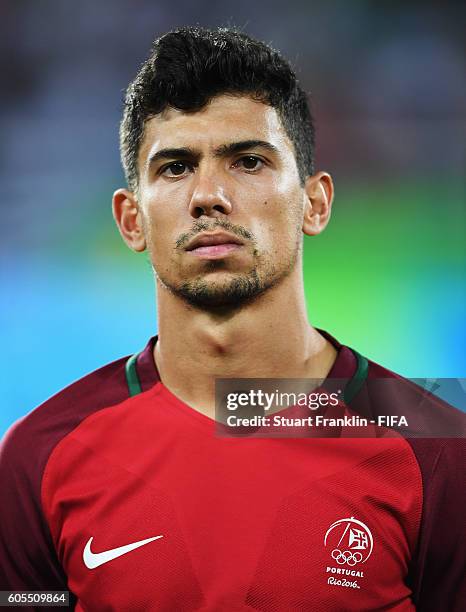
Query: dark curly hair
x=189, y=66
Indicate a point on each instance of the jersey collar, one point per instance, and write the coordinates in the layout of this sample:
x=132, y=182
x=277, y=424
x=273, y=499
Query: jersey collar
x=344, y=366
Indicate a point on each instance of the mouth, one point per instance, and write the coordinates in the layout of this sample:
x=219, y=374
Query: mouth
x=214, y=246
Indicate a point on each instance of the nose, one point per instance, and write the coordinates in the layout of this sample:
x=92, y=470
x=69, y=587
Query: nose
x=209, y=197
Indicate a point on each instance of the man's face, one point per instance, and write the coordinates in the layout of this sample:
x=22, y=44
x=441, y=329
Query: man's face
x=221, y=201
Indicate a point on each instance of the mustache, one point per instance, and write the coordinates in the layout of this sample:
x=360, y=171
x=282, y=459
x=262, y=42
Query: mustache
x=204, y=226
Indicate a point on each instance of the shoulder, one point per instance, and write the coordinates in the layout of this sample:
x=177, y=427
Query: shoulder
x=436, y=430
x=39, y=431
x=429, y=416
x=44, y=426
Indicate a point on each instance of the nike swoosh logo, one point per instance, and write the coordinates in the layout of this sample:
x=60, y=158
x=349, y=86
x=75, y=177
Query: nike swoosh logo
x=93, y=560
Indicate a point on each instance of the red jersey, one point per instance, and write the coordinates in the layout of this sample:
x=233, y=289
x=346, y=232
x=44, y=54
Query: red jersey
x=122, y=494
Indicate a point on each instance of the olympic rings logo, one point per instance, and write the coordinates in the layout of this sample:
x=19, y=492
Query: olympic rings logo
x=346, y=556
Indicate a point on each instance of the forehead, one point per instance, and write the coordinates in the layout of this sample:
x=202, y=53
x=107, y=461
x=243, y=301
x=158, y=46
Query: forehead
x=225, y=119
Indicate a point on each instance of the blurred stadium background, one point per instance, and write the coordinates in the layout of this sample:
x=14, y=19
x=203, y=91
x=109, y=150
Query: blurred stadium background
x=389, y=97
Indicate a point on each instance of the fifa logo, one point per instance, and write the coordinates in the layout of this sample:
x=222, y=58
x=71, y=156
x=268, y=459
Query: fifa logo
x=350, y=540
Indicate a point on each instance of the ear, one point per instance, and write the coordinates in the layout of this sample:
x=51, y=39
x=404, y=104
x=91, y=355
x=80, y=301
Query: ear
x=319, y=197
x=128, y=218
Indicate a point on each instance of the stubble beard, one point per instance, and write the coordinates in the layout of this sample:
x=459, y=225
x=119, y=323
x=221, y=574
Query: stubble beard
x=236, y=291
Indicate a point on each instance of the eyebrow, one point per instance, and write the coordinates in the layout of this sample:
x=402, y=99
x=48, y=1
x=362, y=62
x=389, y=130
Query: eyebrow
x=244, y=145
x=222, y=151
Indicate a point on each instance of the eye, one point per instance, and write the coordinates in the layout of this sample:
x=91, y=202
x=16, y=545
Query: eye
x=175, y=169
x=250, y=162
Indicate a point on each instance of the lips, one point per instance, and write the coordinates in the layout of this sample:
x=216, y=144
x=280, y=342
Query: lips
x=207, y=240
x=214, y=245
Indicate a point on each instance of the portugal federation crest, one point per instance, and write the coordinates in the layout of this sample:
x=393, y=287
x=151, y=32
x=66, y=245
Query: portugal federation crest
x=350, y=540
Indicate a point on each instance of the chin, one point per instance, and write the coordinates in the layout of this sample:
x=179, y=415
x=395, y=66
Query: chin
x=231, y=291
x=218, y=288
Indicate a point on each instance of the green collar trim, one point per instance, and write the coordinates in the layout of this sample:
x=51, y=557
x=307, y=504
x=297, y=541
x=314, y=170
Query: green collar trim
x=132, y=378
x=354, y=385
x=351, y=389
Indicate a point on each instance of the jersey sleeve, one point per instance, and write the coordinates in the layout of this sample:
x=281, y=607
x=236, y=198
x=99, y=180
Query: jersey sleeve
x=438, y=572
x=28, y=561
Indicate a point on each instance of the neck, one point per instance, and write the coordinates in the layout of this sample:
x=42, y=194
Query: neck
x=268, y=338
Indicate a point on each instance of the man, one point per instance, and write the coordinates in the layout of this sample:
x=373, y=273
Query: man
x=119, y=489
